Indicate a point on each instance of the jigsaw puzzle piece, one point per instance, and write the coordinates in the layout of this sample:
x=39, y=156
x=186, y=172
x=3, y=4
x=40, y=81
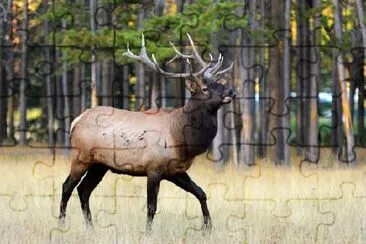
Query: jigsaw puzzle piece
x=275, y=184
x=349, y=224
x=331, y=173
x=131, y=208
x=30, y=223
x=75, y=229
x=259, y=223
x=219, y=195
x=18, y=167
x=50, y=170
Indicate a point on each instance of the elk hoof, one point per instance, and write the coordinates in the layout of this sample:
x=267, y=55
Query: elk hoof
x=61, y=222
x=207, y=227
x=90, y=226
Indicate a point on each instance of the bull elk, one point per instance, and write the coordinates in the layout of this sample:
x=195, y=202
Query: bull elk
x=157, y=144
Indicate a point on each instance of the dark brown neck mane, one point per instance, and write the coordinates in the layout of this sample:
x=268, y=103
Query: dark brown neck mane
x=194, y=126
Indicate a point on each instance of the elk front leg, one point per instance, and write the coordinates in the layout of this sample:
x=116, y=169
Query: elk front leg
x=153, y=184
x=185, y=182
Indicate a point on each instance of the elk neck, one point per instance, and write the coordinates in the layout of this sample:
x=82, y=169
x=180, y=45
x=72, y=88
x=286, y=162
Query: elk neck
x=193, y=128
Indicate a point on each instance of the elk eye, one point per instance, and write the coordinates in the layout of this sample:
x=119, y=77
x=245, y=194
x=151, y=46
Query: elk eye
x=205, y=89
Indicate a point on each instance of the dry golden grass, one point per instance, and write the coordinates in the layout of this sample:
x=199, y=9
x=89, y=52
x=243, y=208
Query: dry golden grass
x=324, y=203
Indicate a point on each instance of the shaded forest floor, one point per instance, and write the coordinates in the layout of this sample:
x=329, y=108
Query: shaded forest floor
x=304, y=203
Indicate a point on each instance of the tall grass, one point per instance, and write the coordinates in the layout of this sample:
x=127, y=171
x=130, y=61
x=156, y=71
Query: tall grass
x=304, y=203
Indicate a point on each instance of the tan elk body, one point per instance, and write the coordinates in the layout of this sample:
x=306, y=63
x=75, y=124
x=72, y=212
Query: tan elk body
x=133, y=143
x=158, y=143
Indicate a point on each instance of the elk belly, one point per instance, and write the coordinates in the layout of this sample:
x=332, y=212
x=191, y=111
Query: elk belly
x=177, y=167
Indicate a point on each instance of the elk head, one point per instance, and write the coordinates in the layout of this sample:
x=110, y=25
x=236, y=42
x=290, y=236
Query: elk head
x=206, y=86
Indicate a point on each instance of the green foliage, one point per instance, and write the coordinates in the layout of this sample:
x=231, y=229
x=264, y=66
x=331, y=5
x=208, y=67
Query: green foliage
x=200, y=19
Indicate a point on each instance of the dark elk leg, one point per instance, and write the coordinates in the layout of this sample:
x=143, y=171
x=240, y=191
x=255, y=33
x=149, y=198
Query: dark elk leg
x=186, y=183
x=153, y=184
x=94, y=175
x=77, y=171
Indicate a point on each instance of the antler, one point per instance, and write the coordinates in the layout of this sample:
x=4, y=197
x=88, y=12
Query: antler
x=210, y=73
x=144, y=58
x=207, y=71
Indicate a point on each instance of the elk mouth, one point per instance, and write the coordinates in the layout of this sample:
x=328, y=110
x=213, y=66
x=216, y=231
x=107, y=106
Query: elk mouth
x=228, y=98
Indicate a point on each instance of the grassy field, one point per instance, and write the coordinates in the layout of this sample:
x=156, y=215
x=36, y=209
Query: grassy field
x=324, y=203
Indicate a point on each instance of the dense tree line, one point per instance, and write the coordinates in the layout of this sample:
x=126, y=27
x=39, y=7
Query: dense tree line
x=59, y=58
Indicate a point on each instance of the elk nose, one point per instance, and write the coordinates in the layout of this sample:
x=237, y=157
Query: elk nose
x=232, y=93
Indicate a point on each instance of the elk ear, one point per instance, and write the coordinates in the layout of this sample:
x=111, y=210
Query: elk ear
x=192, y=86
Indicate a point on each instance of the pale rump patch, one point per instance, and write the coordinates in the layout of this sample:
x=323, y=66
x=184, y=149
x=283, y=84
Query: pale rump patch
x=76, y=120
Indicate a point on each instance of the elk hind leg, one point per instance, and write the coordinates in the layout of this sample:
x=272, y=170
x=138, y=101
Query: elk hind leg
x=76, y=172
x=92, y=178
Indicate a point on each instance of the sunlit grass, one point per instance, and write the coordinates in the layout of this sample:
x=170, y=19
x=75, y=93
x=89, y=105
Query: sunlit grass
x=304, y=203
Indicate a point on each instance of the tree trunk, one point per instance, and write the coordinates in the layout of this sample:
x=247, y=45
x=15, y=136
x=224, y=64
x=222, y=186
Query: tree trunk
x=140, y=70
x=180, y=5
x=361, y=21
x=10, y=71
x=106, y=82
x=361, y=85
x=218, y=151
x=336, y=135
x=49, y=89
x=157, y=80
x=66, y=109
x=286, y=84
x=94, y=85
x=3, y=85
x=247, y=78
x=348, y=154
x=361, y=113
x=303, y=74
x=60, y=132
x=23, y=80
x=83, y=86
x=125, y=87
x=263, y=92
x=3, y=100
x=313, y=149
x=76, y=97
x=356, y=82
x=277, y=88
x=163, y=90
x=154, y=90
x=236, y=121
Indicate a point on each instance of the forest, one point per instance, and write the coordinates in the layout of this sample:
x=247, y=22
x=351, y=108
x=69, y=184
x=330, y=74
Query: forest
x=299, y=69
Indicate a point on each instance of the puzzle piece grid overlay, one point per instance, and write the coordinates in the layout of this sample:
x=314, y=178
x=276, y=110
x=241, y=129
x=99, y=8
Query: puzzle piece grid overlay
x=281, y=206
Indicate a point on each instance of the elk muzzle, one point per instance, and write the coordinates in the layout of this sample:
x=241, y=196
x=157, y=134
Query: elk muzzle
x=228, y=96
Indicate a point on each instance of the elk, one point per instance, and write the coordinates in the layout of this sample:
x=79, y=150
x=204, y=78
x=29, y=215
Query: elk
x=157, y=144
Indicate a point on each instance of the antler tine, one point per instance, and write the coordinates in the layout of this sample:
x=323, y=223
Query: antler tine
x=225, y=70
x=190, y=66
x=143, y=55
x=218, y=65
x=195, y=53
x=180, y=75
x=210, y=72
x=178, y=54
x=171, y=75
